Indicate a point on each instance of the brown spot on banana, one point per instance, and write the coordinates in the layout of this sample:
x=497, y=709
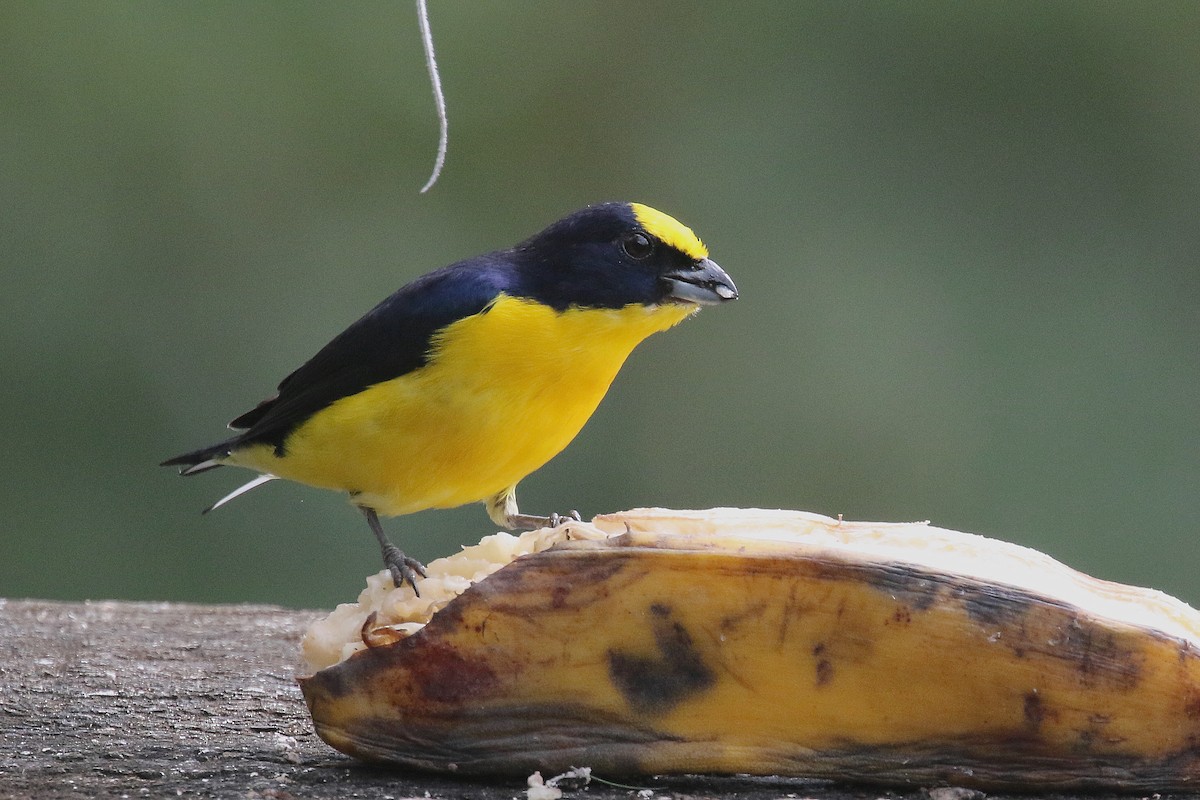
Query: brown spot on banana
x=824, y=667
x=654, y=684
x=1036, y=710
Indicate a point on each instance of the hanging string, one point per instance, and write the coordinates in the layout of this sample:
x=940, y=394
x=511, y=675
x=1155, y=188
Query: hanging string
x=438, y=97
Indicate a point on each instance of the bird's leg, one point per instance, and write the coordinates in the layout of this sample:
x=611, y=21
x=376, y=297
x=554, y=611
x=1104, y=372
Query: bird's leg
x=503, y=510
x=401, y=566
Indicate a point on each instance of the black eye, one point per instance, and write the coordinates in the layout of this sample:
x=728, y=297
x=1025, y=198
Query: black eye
x=637, y=245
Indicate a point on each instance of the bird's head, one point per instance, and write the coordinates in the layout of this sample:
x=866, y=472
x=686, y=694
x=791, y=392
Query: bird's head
x=612, y=255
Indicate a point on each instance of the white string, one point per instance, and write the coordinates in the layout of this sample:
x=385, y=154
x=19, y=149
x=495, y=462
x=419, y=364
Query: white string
x=438, y=97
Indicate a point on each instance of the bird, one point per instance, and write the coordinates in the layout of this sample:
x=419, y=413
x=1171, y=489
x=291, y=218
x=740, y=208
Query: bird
x=471, y=377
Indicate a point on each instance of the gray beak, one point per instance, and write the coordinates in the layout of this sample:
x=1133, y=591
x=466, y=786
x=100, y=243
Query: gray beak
x=703, y=283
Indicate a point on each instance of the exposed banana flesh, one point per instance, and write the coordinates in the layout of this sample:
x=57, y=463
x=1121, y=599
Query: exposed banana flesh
x=770, y=643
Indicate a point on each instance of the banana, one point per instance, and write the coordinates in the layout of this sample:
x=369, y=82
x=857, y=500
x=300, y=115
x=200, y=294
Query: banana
x=770, y=643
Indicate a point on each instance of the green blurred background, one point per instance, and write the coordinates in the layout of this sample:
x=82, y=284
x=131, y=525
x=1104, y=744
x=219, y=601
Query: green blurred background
x=965, y=234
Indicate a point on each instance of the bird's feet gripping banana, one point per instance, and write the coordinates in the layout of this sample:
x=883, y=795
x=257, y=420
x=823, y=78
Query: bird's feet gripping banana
x=448, y=391
x=765, y=642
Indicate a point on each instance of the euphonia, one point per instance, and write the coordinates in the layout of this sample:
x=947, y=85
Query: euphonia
x=473, y=376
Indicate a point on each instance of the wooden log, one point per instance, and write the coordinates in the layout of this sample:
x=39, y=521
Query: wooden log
x=157, y=699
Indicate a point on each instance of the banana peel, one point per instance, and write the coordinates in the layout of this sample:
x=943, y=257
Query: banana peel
x=769, y=643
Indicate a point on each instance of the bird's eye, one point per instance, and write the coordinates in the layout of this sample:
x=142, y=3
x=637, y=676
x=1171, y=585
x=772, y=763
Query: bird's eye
x=637, y=245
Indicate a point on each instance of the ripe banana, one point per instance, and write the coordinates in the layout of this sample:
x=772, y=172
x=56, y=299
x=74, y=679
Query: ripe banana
x=765, y=642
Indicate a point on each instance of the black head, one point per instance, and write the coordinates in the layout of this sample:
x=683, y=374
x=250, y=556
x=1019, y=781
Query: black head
x=612, y=255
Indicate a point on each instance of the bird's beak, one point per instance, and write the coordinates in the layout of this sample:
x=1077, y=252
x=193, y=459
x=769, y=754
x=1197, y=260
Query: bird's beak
x=703, y=283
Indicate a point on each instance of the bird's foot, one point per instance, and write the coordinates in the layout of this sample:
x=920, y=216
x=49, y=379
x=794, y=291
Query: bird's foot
x=529, y=522
x=404, y=569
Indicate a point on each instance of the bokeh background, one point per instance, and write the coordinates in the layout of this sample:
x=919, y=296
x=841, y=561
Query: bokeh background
x=966, y=237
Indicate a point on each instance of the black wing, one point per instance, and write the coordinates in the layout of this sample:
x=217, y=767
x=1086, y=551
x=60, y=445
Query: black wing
x=390, y=340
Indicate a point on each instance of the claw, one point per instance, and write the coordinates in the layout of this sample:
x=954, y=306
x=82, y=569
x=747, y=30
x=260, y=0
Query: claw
x=556, y=519
x=404, y=569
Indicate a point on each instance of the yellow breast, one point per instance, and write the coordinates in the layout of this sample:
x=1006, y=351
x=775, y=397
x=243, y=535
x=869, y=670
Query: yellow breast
x=503, y=392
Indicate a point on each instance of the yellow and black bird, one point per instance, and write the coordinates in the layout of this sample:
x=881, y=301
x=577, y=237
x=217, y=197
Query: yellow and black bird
x=471, y=377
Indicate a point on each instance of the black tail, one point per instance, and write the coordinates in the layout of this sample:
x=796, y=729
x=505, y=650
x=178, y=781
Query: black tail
x=201, y=460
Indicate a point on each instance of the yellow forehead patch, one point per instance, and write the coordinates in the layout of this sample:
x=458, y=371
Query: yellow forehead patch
x=669, y=230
